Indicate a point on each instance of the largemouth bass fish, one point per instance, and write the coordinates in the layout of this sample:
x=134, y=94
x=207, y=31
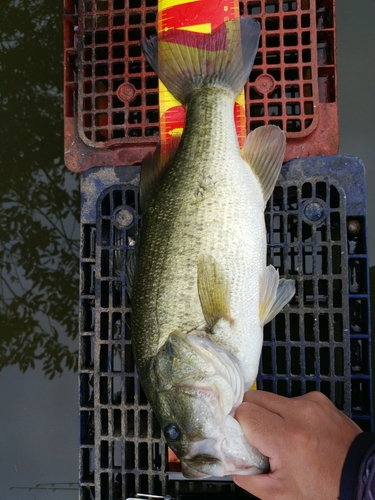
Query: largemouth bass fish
x=202, y=291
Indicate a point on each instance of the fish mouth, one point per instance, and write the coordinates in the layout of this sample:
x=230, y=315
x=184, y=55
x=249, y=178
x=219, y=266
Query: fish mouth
x=222, y=457
x=201, y=466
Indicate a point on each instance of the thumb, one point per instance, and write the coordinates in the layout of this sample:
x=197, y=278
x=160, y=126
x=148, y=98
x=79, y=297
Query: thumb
x=260, y=485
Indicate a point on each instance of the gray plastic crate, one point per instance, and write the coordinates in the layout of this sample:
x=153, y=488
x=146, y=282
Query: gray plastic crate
x=316, y=223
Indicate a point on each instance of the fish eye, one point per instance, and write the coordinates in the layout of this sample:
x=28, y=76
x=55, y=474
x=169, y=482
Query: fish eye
x=172, y=432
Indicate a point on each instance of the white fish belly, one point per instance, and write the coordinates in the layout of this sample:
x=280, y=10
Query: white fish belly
x=238, y=243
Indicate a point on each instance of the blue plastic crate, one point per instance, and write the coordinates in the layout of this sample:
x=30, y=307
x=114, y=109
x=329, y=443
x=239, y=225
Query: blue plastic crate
x=317, y=235
x=316, y=222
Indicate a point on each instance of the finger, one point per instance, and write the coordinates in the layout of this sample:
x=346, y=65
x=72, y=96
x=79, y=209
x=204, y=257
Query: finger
x=260, y=485
x=316, y=397
x=268, y=400
x=262, y=428
x=326, y=405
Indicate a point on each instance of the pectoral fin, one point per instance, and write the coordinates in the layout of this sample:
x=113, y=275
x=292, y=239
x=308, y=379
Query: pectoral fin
x=181, y=360
x=213, y=291
x=274, y=294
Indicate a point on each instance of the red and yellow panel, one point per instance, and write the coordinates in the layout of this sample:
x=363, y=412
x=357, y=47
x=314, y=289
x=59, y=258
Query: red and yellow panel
x=200, y=16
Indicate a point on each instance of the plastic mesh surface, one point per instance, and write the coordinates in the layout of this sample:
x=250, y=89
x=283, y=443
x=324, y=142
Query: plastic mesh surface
x=320, y=341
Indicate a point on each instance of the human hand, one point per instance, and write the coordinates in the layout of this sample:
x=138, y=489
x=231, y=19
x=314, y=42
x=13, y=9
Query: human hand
x=306, y=439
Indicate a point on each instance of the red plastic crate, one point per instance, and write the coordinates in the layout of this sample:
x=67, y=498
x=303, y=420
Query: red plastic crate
x=111, y=93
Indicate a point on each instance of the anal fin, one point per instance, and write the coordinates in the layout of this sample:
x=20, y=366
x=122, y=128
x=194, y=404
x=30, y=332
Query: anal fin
x=274, y=294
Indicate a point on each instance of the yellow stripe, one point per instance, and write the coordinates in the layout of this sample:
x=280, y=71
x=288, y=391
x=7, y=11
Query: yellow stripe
x=166, y=99
x=166, y=4
x=198, y=28
x=242, y=129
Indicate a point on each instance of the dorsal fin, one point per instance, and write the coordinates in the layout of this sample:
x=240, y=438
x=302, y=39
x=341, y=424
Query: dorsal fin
x=264, y=151
x=153, y=164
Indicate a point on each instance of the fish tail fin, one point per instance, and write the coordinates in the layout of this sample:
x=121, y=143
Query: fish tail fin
x=186, y=60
